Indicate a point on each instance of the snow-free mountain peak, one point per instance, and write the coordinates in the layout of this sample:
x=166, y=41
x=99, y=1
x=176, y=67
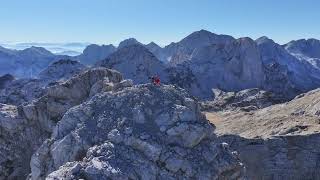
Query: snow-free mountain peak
x=128, y=42
x=264, y=39
x=93, y=53
x=153, y=47
x=36, y=50
x=135, y=62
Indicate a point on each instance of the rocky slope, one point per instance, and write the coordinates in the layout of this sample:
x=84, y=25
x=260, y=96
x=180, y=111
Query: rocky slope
x=297, y=117
x=276, y=142
x=140, y=132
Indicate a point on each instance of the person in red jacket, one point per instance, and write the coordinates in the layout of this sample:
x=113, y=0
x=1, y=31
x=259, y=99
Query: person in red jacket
x=155, y=80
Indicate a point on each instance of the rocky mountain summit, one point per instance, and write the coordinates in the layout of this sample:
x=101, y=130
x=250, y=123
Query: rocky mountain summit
x=93, y=53
x=176, y=53
x=128, y=42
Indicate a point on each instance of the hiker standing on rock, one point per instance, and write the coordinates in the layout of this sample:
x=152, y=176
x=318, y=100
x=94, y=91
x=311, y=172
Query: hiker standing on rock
x=155, y=80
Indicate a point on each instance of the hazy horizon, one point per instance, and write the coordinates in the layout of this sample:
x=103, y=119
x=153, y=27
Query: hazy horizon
x=111, y=21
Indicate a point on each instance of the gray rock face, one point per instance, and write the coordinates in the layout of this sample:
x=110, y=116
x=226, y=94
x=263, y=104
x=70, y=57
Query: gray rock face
x=285, y=72
x=232, y=66
x=93, y=53
x=246, y=100
x=23, y=129
x=176, y=53
x=140, y=132
x=135, y=62
x=61, y=97
x=61, y=70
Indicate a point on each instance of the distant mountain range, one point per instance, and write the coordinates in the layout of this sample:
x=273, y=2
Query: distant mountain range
x=71, y=49
x=26, y=63
x=199, y=62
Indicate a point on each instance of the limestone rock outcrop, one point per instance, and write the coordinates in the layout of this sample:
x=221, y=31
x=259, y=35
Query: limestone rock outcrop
x=139, y=132
x=24, y=128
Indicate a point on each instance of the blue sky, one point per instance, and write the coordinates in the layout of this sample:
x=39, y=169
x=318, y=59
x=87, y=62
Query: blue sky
x=162, y=21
